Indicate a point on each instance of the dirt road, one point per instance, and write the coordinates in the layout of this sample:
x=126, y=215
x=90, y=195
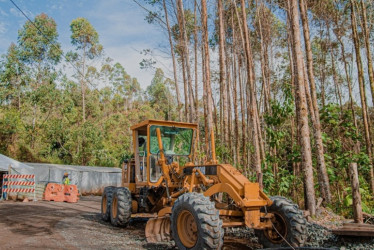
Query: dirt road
x=58, y=225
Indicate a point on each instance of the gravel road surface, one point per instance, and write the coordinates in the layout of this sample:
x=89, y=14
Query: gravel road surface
x=60, y=225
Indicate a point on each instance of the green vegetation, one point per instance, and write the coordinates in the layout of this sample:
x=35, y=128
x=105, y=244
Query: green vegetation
x=41, y=108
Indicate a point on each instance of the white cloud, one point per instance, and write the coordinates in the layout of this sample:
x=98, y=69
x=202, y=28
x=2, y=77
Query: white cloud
x=3, y=28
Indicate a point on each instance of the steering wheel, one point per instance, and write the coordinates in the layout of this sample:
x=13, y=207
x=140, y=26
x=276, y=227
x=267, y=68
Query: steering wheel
x=169, y=158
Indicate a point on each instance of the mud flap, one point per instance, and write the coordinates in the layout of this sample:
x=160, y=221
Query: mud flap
x=158, y=229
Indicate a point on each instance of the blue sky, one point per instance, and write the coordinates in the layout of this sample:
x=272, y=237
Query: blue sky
x=121, y=26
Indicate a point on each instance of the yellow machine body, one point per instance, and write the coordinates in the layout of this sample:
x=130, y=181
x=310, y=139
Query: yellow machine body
x=238, y=200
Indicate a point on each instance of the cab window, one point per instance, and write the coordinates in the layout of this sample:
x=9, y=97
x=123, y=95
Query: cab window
x=176, y=141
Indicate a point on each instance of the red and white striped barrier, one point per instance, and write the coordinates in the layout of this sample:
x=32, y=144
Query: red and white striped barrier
x=13, y=184
x=19, y=176
x=19, y=190
x=19, y=183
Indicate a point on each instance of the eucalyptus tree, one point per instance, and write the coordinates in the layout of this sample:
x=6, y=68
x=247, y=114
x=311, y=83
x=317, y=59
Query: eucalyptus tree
x=252, y=107
x=86, y=41
x=159, y=95
x=12, y=77
x=184, y=38
x=40, y=52
x=302, y=107
x=222, y=72
x=361, y=82
x=174, y=61
x=322, y=173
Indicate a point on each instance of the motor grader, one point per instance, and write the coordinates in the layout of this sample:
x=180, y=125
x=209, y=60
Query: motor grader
x=193, y=203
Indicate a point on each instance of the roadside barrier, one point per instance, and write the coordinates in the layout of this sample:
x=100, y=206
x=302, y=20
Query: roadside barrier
x=54, y=192
x=71, y=193
x=61, y=192
x=18, y=183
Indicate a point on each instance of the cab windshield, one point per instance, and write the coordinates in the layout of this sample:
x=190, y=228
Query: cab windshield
x=176, y=141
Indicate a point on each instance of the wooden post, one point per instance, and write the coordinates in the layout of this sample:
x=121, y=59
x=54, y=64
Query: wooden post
x=356, y=196
x=123, y=173
x=9, y=172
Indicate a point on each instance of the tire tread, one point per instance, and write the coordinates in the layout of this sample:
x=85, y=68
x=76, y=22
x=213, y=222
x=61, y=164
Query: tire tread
x=123, y=195
x=297, y=223
x=208, y=217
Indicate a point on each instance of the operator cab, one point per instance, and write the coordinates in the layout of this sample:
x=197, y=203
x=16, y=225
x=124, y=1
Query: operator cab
x=177, y=139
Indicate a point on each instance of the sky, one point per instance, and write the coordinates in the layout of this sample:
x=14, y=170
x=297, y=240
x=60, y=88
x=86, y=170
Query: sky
x=122, y=30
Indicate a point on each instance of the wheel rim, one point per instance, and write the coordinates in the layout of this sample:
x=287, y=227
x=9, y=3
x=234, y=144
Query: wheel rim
x=114, y=207
x=104, y=205
x=187, y=229
x=281, y=228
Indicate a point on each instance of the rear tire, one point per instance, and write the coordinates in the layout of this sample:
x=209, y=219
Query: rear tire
x=120, y=212
x=106, y=200
x=195, y=223
x=290, y=223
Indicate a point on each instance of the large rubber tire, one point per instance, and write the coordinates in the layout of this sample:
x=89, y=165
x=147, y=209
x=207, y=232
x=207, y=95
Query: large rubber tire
x=194, y=210
x=106, y=201
x=120, y=212
x=290, y=223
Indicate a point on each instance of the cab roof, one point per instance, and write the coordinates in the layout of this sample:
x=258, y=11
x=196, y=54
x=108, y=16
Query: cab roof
x=163, y=123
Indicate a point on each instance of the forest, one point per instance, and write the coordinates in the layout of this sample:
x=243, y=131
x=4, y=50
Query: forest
x=287, y=87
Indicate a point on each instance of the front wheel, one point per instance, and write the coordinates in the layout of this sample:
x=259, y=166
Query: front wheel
x=195, y=223
x=120, y=211
x=289, y=227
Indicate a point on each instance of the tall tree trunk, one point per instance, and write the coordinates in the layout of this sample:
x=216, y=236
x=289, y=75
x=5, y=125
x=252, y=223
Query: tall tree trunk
x=264, y=60
x=322, y=172
x=196, y=72
x=209, y=116
x=368, y=48
x=294, y=135
x=179, y=108
x=253, y=112
x=265, y=84
x=229, y=109
x=236, y=113
x=362, y=92
x=205, y=100
x=303, y=112
x=235, y=93
x=83, y=85
x=243, y=114
x=241, y=91
x=186, y=53
x=185, y=88
x=370, y=73
x=222, y=72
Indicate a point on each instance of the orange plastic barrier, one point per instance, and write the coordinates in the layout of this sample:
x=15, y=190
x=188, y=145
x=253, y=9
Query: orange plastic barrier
x=71, y=193
x=54, y=192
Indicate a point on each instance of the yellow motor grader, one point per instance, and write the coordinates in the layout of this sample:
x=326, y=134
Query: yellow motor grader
x=193, y=203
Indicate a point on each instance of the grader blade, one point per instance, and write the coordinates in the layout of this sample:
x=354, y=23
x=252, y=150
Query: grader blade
x=158, y=229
